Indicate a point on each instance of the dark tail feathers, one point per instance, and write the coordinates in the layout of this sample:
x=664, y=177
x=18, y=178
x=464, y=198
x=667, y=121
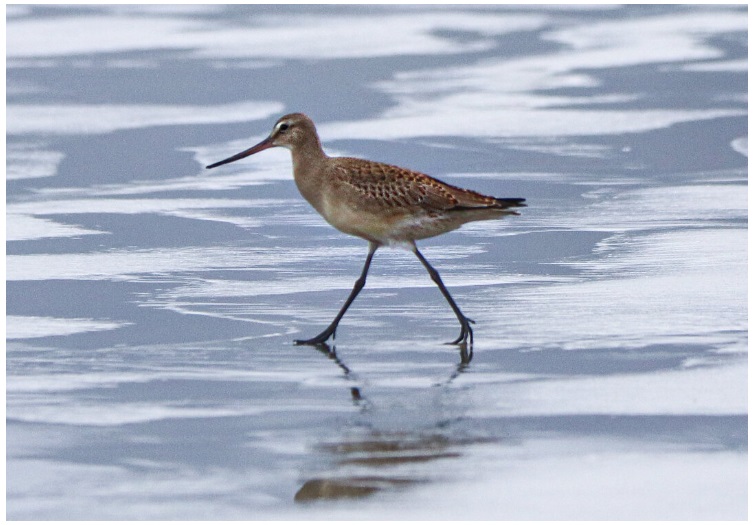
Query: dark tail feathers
x=511, y=203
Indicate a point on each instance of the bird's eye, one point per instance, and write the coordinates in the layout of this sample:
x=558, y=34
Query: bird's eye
x=283, y=127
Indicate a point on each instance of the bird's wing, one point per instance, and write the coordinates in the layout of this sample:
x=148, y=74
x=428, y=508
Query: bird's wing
x=384, y=186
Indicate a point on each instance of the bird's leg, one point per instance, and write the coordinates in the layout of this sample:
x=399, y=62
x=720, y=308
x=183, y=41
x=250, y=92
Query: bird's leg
x=466, y=332
x=360, y=282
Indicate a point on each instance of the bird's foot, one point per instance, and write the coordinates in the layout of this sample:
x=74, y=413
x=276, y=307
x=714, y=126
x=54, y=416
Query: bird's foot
x=466, y=335
x=317, y=340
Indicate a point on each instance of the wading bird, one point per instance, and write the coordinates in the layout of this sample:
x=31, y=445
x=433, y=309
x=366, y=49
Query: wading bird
x=381, y=203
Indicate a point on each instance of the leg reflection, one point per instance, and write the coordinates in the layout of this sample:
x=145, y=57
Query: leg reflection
x=395, y=436
x=329, y=351
x=467, y=354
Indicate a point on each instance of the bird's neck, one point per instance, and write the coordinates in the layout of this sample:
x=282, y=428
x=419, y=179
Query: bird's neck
x=309, y=161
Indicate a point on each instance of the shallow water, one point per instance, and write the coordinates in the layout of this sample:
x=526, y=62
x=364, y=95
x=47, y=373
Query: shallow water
x=151, y=305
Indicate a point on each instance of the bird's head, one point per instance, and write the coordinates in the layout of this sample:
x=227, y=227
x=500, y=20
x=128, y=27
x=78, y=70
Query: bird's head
x=290, y=131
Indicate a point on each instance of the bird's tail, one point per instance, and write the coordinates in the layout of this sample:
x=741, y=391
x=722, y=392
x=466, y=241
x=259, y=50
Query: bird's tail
x=510, y=202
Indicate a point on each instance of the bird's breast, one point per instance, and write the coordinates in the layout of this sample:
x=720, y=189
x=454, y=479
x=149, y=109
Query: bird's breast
x=355, y=220
x=387, y=228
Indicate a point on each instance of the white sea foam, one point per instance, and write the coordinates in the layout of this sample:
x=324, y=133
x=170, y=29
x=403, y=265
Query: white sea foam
x=516, y=97
x=31, y=160
x=265, y=36
x=20, y=227
x=25, y=327
x=91, y=119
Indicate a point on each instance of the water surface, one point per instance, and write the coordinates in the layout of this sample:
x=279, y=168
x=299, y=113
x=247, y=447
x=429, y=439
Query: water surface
x=152, y=305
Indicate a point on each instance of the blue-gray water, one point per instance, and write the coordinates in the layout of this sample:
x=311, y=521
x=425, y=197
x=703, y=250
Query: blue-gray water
x=151, y=304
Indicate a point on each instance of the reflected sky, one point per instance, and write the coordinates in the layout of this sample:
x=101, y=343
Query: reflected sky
x=151, y=305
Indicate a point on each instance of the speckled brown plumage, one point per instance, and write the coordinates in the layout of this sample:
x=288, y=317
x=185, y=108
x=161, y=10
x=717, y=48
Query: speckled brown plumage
x=387, y=186
x=381, y=203
x=395, y=205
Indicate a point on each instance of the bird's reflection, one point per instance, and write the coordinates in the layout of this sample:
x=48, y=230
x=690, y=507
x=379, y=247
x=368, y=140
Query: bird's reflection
x=366, y=462
x=330, y=352
x=467, y=354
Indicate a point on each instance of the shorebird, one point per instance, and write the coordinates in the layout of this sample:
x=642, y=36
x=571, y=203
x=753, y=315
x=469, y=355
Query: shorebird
x=383, y=204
